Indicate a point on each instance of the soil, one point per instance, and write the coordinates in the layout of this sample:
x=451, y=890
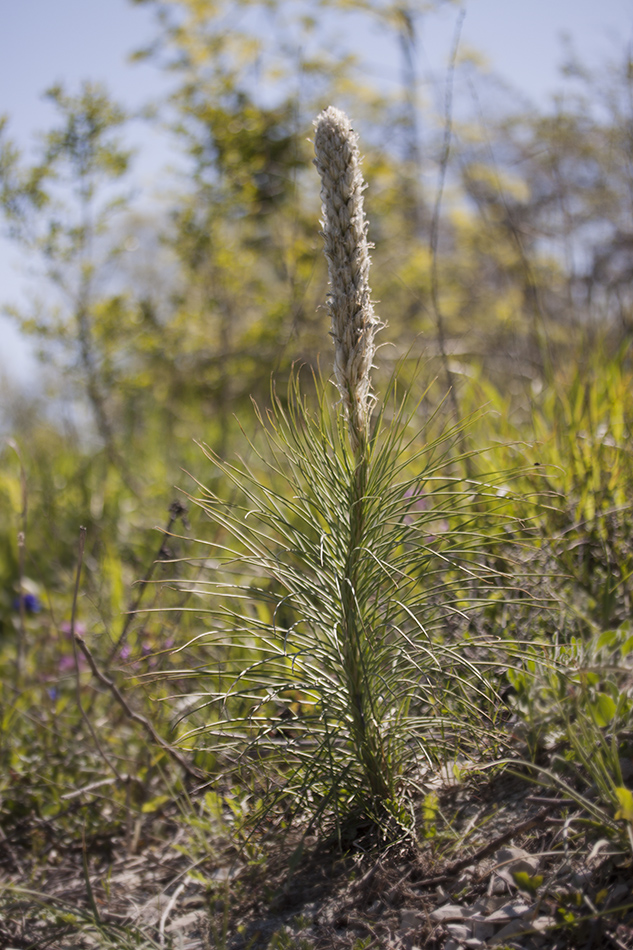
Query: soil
x=518, y=870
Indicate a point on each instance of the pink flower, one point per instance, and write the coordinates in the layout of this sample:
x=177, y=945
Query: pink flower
x=67, y=663
x=66, y=629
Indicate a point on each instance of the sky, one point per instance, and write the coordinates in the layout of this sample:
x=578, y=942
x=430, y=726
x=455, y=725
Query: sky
x=47, y=41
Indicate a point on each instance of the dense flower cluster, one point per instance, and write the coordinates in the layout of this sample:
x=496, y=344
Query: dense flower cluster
x=354, y=322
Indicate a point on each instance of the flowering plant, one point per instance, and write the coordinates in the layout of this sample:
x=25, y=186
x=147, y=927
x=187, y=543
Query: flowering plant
x=331, y=656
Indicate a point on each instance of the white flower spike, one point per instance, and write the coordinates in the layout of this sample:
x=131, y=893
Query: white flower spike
x=354, y=323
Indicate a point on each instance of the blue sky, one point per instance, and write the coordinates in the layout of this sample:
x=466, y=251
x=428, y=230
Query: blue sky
x=46, y=41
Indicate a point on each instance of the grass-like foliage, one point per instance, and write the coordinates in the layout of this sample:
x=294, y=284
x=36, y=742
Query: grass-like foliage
x=340, y=582
x=576, y=701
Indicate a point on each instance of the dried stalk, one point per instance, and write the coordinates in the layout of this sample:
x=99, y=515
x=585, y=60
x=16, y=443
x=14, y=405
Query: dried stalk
x=135, y=717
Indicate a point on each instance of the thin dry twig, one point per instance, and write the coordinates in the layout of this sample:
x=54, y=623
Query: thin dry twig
x=545, y=800
x=74, y=637
x=168, y=909
x=134, y=716
x=86, y=788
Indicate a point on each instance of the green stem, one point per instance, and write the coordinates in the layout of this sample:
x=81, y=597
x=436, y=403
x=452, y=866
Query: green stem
x=365, y=730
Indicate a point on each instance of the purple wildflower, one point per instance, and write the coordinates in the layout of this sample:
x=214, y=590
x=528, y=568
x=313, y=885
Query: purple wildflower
x=30, y=601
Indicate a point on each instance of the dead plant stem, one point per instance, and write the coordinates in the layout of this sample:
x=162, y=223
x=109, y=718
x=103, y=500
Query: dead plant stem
x=74, y=637
x=435, y=220
x=134, y=716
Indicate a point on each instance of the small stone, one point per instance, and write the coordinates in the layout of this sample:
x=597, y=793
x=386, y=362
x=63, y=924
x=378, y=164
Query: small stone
x=509, y=861
x=581, y=878
x=510, y=911
x=474, y=943
x=497, y=887
x=225, y=874
x=626, y=768
x=482, y=929
x=184, y=923
x=617, y=893
x=514, y=855
x=510, y=930
x=464, y=880
x=486, y=905
x=447, y=912
x=410, y=919
x=459, y=931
